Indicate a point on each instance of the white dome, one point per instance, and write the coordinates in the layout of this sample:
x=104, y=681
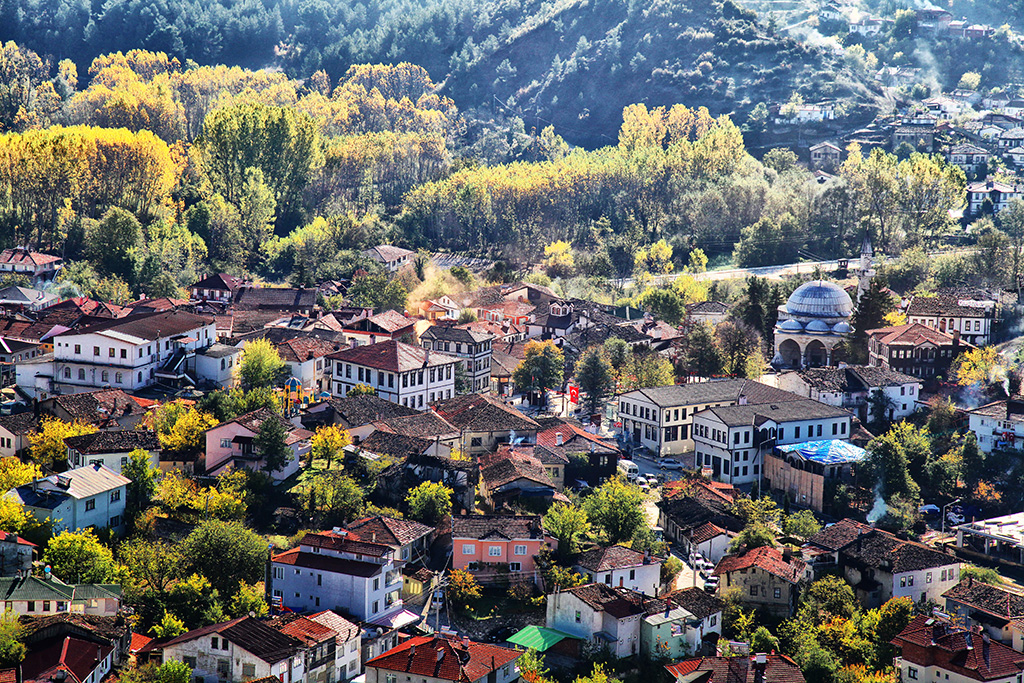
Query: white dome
x=818, y=327
x=820, y=299
x=791, y=326
x=842, y=328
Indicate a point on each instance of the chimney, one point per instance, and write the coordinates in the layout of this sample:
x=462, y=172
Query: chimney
x=558, y=438
x=760, y=664
x=440, y=653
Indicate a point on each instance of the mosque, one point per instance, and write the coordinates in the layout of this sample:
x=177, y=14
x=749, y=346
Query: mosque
x=815, y=320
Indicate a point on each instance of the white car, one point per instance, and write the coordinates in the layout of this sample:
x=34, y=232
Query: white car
x=641, y=482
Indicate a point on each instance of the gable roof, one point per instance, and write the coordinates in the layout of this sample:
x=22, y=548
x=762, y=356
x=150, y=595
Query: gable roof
x=426, y=425
x=854, y=378
x=252, y=421
x=99, y=407
x=345, y=629
x=275, y=298
x=618, y=602
x=779, y=412
x=455, y=334
x=483, y=413
x=301, y=349
x=880, y=549
x=122, y=441
x=994, y=600
x=356, y=411
x=75, y=657
x=839, y=535
x=81, y=482
x=252, y=635
x=386, y=253
x=697, y=601
x=956, y=650
x=392, y=356
x=219, y=281
x=737, y=669
x=946, y=305
x=24, y=257
x=19, y=423
x=611, y=557
x=448, y=659
x=716, y=391
x=912, y=334
x=143, y=327
x=766, y=558
x=515, y=467
x=383, y=529
x=508, y=527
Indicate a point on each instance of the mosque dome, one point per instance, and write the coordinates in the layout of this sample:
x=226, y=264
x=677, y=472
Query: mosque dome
x=820, y=299
x=791, y=326
x=842, y=328
x=818, y=327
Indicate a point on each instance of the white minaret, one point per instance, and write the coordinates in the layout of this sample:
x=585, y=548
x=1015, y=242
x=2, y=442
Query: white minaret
x=865, y=272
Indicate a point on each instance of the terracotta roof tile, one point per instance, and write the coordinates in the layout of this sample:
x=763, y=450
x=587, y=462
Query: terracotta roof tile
x=933, y=642
x=767, y=559
x=739, y=669
x=484, y=413
x=497, y=526
x=611, y=557
x=392, y=356
x=445, y=659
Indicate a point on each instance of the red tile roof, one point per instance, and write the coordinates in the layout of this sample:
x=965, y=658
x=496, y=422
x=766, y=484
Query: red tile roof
x=139, y=641
x=463, y=661
x=327, y=563
x=705, y=532
x=912, y=334
x=21, y=257
x=308, y=631
x=301, y=349
x=394, y=532
x=933, y=642
x=74, y=656
x=767, y=559
x=741, y=669
x=345, y=543
x=484, y=413
x=612, y=557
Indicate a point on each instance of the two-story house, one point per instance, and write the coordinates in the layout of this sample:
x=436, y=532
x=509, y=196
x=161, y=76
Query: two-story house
x=768, y=578
x=932, y=648
x=999, y=424
x=484, y=422
x=408, y=375
x=24, y=261
x=661, y=418
x=497, y=546
x=130, y=353
x=392, y=258
x=853, y=387
x=970, y=158
x=14, y=431
x=474, y=348
x=238, y=650
x=993, y=193
x=232, y=444
x=881, y=566
x=971, y=317
x=621, y=567
x=34, y=596
x=111, y=449
x=305, y=360
x=442, y=658
x=88, y=496
x=731, y=441
x=217, y=287
x=330, y=570
x=915, y=349
x=996, y=609
x=348, y=644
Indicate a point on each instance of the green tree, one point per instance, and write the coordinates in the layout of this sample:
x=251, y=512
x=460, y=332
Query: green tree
x=703, y=357
x=367, y=390
x=261, y=365
x=616, y=508
x=430, y=502
x=741, y=349
x=781, y=160
x=868, y=314
x=332, y=497
x=80, y=557
x=762, y=640
x=256, y=207
x=328, y=443
x=249, y=599
x=541, y=369
x=879, y=405
x=173, y=672
x=153, y=565
x=113, y=244
x=12, y=636
x=801, y=524
x=142, y=485
x=272, y=445
x=283, y=143
x=226, y=552
x=983, y=574
x=829, y=595
x=596, y=379
x=376, y=291
x=568, y=524
x=893, y=617
x=752, y=536
x=196, y=601
x=891, y=457
x=531, y=663
x=664, y=303
x=168, y=627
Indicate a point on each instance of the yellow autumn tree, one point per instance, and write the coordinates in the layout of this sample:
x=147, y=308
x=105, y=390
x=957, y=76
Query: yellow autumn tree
x=14, y=473
x=558, y=259
x=47, y=443
x=180, y=427
x=979, y=366
x=327, y=444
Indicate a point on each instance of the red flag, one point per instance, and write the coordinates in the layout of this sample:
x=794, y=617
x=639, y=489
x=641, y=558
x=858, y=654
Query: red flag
x=574, y=394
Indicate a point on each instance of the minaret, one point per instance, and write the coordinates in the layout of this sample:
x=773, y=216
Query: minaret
x=865, y=272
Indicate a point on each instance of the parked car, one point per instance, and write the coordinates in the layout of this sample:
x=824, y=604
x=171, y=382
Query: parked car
x=670, y=464
x=641, y=482
x=929, y=510
x=711, y=584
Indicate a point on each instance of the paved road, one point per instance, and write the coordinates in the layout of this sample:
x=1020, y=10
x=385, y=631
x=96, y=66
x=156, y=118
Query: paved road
x=731, y=273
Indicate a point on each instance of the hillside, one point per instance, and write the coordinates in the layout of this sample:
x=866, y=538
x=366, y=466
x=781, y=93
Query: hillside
x=571, y=63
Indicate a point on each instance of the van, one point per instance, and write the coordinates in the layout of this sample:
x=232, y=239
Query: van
x=629, y=470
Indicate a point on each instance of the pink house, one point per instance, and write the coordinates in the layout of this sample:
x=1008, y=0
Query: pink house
x=230, y=444
x=497, y=545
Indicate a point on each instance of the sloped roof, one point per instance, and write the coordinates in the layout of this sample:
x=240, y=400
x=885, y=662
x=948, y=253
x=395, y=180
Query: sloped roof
x=854, y=378
x=386, y=253
x=327, y=563
x=82, y=482
x=618, y=602
x=396, y=445
x=19, y=423
x=610, y=557
x=697, y=601
x=366, y=408
x=147, y=326
x=737, y=669
x=121, y=441
x=767, y=559
x=301, y=349
x=252, y=635
x=995, y=600
x=518, y=466
x=424, y=425
x=276, y=298
x=483, y=413
x=394, y=532
x=98, y=407
x=345, y=629
x=446, y=659
x=839, y=535
x=76, y=657
x=912, y=334
x=219, y=281
x=717, y=391
x=25, y=257
x=344, y=542
x=956, y=650
x=508, y=527
x=945, y=305
x=392, y=356
x=882, y=549
x=455, y=334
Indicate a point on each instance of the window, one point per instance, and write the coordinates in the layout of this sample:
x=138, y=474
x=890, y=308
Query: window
x=191, y=661
x=519, y=550
x=81, y=373
x=928, y=577
x=124, y=353
x=579, y=617
x=468, y=549
x=390, y=678
x=223, y=668
x=778, y=593
x=515, y=566
x=30, y=606
x=115, y=521
x=214, y=642
x=115, y=496
x=62, y=606
x=714, y=619
x=910, y=580
x=225, y=443
x=118, y=377
x=376, y=606
x=376, y=584
x=105, y=376
x=78, y=348
x=95, y=350
x=248, y=671
x=46, y=605
x=753, y=591
x=903, y=582
x=494, y=551
x=632, y=574
x=90, y=504
x=796, y=433
x=475, y=442
x=911, y=673
x=278, y=572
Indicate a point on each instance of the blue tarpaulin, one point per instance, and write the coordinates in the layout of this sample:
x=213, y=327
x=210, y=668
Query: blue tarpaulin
x=826, y=452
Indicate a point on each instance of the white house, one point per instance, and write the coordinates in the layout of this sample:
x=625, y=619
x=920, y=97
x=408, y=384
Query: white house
x=731, y=440
x=238, y=650
x=130, y=353
x=474, y=348
x=971, y=316
x=401, y=373
x=621, y=567
x=331, y=571
x=35, y=596
x=89, y=496
x=852, y=387
x=232, y=444
x=348, y=643
x=111, y=449
x=218, y=363
x=999, y=195
x=23, y=261
x=14, y=431
x=661, y=418
x=999, y=424
x=390, y=256
x=599, y=615
x=305, y=360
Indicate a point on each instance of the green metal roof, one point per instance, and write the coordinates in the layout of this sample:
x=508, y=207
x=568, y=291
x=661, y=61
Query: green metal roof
x=538, y=638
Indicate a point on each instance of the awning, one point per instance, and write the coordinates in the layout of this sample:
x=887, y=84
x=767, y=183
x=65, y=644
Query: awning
x=538, y=638
x=399, y=619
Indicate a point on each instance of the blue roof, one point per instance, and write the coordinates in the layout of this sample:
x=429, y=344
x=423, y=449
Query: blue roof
x=827, y=451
